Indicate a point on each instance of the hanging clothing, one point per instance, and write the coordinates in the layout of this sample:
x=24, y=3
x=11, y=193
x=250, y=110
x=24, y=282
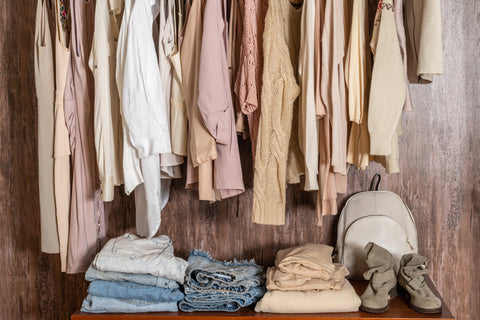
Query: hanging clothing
x=169, y=162
x=398, y=6
x=357, y=77
x=215, y=100
x=235, y=31
x=327, y=188
x=387, y=76
x=308, y=131
x=178, y=112
x=249, y=76
x=45, y=89
x=61, y=147
x=423, y=22
x=108, y=123
x=202, y=148
x=144, y=111
x=279, y=92
x=132, y=173
x=87, y=221
x=333, y=82
x=295, y=160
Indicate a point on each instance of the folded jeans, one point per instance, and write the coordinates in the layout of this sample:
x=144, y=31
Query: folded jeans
x=145, y=279
x=96, y=304
x=129, y=290
x=204, y=272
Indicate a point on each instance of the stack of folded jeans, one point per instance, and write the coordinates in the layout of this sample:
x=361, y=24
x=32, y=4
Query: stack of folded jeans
x=212, y=285
x=305, y=280
x=131, y=274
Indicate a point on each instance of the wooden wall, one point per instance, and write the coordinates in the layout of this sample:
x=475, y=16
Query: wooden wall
x=440, y=181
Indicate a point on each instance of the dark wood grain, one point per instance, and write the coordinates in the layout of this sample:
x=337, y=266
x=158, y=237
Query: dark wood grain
x=439, y=180
x=398, y=310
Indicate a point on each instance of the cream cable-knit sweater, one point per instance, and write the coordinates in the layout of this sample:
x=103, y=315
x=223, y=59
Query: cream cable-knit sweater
x=387, y=91
x=279, y=92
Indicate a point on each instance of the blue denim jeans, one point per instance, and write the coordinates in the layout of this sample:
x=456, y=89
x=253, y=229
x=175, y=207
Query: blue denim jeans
x=212, y=285
x=145, y=279
x=214, y=300
x=130, y=290
x=96, y=304
x=204, y=272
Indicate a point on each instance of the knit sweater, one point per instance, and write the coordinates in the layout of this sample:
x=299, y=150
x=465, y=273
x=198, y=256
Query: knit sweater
x=279, y=92
x=387, y=92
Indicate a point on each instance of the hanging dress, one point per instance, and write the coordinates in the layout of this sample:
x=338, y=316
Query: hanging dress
x=61, y=142
x=45, y=89
x=87, y=221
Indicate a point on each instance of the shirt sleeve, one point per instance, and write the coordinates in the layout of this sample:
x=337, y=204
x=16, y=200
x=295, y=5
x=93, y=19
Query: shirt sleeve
x=212, y=98
x=142, y=97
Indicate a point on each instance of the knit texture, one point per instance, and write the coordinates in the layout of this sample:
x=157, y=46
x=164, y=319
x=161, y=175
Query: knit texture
x=387, y=92
x=279, y=92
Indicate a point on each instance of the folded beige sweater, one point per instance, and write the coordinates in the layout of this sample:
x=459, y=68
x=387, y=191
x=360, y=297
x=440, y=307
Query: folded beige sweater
x=309, y=260
x=278, y=280
x=343, y=300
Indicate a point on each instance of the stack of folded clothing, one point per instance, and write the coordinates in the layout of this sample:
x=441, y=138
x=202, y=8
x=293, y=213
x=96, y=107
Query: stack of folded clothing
x=304, y=280
x=131, y=274
x=212, y=285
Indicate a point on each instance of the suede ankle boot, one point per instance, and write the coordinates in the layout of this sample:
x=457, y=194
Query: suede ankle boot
x=382, y=279
x=412, y=284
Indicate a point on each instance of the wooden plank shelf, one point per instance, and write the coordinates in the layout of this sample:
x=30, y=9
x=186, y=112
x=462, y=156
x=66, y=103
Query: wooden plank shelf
x=399, y=310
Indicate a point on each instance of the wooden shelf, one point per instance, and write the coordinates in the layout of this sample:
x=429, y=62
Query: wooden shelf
x=399, y=310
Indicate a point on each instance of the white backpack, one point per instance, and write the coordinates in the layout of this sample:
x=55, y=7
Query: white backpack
x=374, y=216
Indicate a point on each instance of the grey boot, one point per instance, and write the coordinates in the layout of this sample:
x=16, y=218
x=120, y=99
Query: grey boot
x=412, y=284
x=382, y=279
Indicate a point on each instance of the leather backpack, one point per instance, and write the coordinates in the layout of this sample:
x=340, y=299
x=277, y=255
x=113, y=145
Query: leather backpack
x=374, y=216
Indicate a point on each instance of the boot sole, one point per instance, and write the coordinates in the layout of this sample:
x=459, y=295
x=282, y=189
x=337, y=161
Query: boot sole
x=372, y=310
x=407, y=296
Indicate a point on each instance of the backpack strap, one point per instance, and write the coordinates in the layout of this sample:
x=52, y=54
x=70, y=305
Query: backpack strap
x=375, y=182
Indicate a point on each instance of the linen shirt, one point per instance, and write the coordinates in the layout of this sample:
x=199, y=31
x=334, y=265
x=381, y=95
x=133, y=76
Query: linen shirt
x=144, y=111
x=108, y=123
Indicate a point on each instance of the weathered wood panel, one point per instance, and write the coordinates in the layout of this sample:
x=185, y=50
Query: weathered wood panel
x=440, y=181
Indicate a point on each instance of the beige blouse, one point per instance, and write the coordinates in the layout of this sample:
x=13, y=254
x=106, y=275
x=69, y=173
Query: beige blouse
x=357, y=77
x=202, y=148
x=308, y=133
x=108, y=122
x=327, y=191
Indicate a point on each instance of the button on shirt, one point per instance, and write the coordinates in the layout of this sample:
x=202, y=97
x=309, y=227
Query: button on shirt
x=107, y=125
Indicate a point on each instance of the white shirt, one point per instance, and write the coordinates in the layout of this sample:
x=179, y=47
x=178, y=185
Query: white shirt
x=144, y=112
